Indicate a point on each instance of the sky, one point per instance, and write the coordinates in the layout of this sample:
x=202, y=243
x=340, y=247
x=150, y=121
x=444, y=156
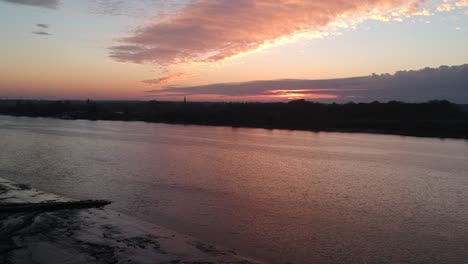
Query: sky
x=243, y=50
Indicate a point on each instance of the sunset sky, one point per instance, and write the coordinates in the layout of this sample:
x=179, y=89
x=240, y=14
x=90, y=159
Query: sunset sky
x=219, y=50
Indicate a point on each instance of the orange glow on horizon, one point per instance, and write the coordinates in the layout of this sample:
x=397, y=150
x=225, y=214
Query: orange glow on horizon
x=302, y=94
x=269, y=95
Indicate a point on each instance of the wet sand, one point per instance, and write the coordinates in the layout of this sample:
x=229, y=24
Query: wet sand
x=92, y=235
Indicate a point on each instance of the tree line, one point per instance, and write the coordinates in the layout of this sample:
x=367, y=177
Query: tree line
x=437, y=118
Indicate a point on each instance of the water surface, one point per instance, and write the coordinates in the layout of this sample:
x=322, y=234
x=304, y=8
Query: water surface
x=281, y=196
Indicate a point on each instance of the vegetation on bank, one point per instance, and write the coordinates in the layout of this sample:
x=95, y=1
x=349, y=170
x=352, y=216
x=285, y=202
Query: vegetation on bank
x=438, y=118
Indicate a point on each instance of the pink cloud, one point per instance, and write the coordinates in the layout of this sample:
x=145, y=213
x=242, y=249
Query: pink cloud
x=166, y=79
x=211, y=31
x=445, y=6
x=462, y=3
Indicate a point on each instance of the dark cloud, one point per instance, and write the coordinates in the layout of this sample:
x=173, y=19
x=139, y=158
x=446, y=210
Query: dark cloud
x=42, y=25
x=450, y=83
x=39, y=3
x=262, y=87
x=43, y=33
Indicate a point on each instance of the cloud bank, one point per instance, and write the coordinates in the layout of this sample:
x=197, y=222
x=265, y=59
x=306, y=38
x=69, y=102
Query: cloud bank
x=40, y=3
x=211, y=31
x=450, y=83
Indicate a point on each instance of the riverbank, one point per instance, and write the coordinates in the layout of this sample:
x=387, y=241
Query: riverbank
x=440, y=119
x=408, y=133
x=92, y=235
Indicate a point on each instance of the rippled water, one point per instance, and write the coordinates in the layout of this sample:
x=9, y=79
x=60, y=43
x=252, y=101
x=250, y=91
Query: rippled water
x=281, y=196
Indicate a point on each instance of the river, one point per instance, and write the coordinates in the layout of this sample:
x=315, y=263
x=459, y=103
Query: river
x=276, y=195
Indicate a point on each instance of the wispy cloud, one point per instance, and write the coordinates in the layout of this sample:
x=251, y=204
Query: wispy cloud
x=430, y=83
x=166, y=79
x=133, y=8
x=42, y=25
x=211, y=31
x=41, y=28
x=39, y=3
x=42, y=33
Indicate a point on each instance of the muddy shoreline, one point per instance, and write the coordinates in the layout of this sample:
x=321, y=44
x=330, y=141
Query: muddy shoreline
x=95, y=235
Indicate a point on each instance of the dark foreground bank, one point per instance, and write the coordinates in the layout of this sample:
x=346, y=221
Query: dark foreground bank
x=431, y=119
